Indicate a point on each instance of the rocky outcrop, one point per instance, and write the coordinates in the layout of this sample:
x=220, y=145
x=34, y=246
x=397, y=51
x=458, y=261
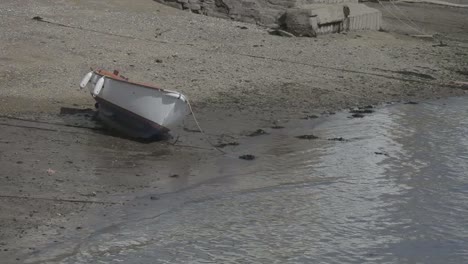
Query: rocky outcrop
x=299, y=17
x=264, y=12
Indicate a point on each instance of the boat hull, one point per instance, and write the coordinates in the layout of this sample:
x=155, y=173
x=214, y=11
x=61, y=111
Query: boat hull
x=137, y=110
x=127, y=123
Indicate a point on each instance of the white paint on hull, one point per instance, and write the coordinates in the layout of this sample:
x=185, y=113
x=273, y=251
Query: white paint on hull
x=163, y=107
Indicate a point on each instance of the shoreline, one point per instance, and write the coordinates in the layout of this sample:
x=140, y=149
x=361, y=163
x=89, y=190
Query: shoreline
x=102, y=177
x=238, y=77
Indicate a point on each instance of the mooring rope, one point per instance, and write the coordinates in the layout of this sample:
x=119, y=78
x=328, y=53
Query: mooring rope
x=201, y=130
x=405, y=16
x=395, y=16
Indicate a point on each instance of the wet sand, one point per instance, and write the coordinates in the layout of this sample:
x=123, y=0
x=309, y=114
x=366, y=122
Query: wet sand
x=60, y=170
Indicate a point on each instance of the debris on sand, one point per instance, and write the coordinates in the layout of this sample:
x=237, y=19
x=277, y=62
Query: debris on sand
x=50, y=171
x=277, y=127
x=258, y=132
x=192, y=130
x=222, y=145
x=357, y=115
x=154, y=198
x=412, y=102
x=337, y=139
x=423, y=36
x=282, y=33
x=310, y=117
x=174, y=175
x=381, y=153
x=76, y=111
x=440, y=44
x=362, y=111
x=247, y=157
x=459, y=84
x=38, y=18
x=309, y=137
x=366, y=107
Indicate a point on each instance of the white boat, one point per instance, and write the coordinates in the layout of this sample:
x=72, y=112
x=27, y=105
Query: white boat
x=136, y=109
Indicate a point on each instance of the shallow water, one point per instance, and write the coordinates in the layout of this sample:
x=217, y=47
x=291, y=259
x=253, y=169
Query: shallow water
x=394, y=191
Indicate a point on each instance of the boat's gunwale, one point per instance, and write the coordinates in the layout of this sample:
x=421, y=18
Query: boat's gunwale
x=120, y=79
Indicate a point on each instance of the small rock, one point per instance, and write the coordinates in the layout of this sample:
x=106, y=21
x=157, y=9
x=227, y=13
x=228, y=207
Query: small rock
x=247, y=157
x=412, y=102
x=311, y=117
x=19, y=162
x=357, y=115
x=222, y=145
x=309, y=137
x=337, y=139
x=242, y=27
x=258, y=132
x=441, y=44
x=174, y=175
x=362, y=111
x=158, y=61
x=277, y=127
x=381, y=153
x=38, y=18
x=154, y=198
x=366, y=107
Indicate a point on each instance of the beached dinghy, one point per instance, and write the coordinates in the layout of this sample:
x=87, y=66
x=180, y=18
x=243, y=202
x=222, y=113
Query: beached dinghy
x=136, y=109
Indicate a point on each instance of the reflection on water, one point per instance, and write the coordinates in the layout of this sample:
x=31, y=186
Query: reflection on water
x=395, y=191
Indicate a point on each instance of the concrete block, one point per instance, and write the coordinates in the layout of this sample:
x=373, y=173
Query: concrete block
x=362, y=17
x=311, y=20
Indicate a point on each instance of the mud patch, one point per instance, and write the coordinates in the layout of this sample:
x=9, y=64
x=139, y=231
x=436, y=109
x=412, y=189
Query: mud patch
x=77, y=111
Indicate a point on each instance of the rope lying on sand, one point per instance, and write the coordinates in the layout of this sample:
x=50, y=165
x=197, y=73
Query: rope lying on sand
x=201, y=130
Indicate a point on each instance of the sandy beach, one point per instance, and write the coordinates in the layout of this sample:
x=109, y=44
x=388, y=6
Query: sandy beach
x=59, y=169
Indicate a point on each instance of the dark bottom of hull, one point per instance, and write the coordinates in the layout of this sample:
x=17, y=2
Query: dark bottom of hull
x=129, y=124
